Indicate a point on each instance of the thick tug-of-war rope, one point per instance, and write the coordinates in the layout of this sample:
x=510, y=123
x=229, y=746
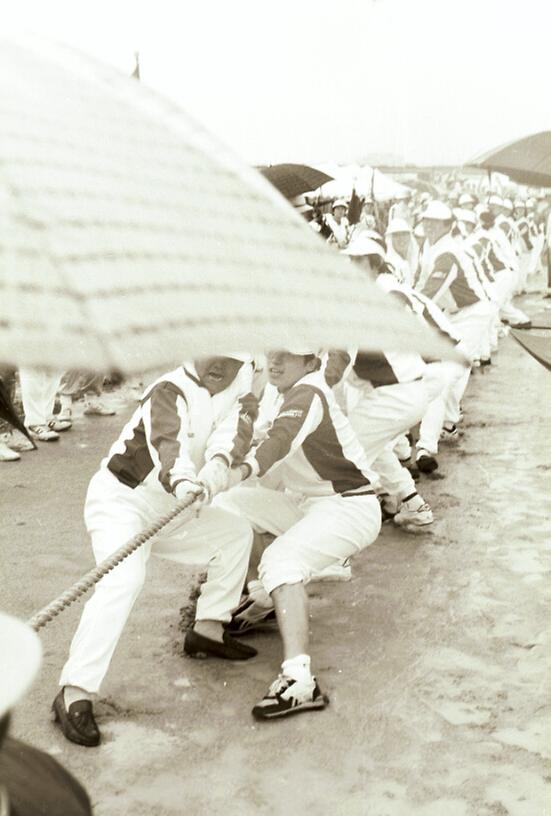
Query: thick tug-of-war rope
x=92, y=577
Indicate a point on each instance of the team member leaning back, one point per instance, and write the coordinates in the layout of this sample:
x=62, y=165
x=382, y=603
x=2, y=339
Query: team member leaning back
x=190, y=427
x=319, y=504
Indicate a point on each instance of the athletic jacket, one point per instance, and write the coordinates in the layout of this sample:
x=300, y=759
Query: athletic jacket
x=178, y=426
x=310, y=442
x=448, y=276
x=525, y=234
x=503, y=244
x=421, y=306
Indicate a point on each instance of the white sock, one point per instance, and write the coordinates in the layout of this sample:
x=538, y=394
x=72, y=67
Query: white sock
x=71, y=694
x=415, y=502
x=298, y=668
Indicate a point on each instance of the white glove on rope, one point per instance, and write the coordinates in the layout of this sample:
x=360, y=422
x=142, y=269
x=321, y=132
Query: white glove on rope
x=214, y=476
x=183, y=489
x=237, y=475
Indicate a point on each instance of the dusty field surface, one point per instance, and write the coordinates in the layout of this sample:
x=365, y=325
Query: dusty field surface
x=436, y=656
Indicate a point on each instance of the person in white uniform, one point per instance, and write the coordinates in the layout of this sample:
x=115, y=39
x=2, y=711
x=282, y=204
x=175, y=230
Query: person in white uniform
x=190, y=427
x=402, y=251
x=386, y=396
x=449, y=278
x=315, y=495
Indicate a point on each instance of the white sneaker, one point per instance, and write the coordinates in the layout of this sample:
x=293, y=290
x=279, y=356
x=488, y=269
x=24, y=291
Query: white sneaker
x=18, y=442
x=43, y=433
x=98, y=409
x=450, y=435
x=7, y=454
x=415, y=512
x=287, y=696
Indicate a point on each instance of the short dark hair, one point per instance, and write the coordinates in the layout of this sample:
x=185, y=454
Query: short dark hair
x=309, y=357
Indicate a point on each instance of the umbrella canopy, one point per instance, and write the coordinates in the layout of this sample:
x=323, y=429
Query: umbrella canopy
x=526, y=161
x=8, y=412
x=537, y=345
x=365, y=181
x=293, y=179
x=132, y=239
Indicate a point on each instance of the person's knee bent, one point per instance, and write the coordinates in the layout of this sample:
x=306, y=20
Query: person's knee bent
x=278, y=566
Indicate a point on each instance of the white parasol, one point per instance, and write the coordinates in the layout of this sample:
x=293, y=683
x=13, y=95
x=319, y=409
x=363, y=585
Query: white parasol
x=130, y=238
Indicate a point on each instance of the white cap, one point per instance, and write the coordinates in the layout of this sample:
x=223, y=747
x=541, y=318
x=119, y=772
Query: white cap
x=403, y=195
x=465, y=198
x=243, y=358
x=302, y=352
x=364, y=245
x=508, y=203
x=397, y=225
x=519, y=202
x=465, y=215
x=495, y=199
x=530, y=202
x=21, y=657
x=437, y=211
x=304, y=208
x=339, y=202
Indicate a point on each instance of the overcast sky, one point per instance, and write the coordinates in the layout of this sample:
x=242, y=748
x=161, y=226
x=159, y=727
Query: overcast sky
x=431, y=81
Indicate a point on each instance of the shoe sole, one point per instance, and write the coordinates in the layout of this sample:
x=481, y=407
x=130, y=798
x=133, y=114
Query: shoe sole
x=209, y=655
x=411, y=523
x=316, y=705
x=270, y=626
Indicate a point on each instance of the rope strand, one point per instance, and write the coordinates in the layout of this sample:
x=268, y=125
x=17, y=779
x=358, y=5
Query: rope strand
x=92, y=577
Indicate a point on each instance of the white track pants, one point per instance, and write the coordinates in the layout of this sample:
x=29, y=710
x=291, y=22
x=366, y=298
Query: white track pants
x=504, y=288
x=449, y=374
x=38, y=390
x=311, y=533
x=114, y=513
x=473, y=325
x=379, y=417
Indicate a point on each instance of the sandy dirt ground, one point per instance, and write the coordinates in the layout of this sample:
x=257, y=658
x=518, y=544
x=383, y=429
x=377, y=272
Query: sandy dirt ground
x=436, y=656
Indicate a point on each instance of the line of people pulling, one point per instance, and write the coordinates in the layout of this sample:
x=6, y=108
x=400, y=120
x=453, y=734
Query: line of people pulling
x=290, y=486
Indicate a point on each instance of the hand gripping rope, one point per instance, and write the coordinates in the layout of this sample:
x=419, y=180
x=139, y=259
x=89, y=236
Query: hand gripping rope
x=92, y=577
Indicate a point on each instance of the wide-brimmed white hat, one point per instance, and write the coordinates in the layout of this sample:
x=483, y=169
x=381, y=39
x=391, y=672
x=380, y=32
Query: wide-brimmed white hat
x=339, y=202
x=397, y=225
x=364, y=245
x=495, y=199
x=508, y=204
x=437, y=211
x=20, y=658
x=466, y=198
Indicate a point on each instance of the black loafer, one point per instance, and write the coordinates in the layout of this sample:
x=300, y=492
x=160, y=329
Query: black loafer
x=427, y=463
x=77, y=723
x=196, y=645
